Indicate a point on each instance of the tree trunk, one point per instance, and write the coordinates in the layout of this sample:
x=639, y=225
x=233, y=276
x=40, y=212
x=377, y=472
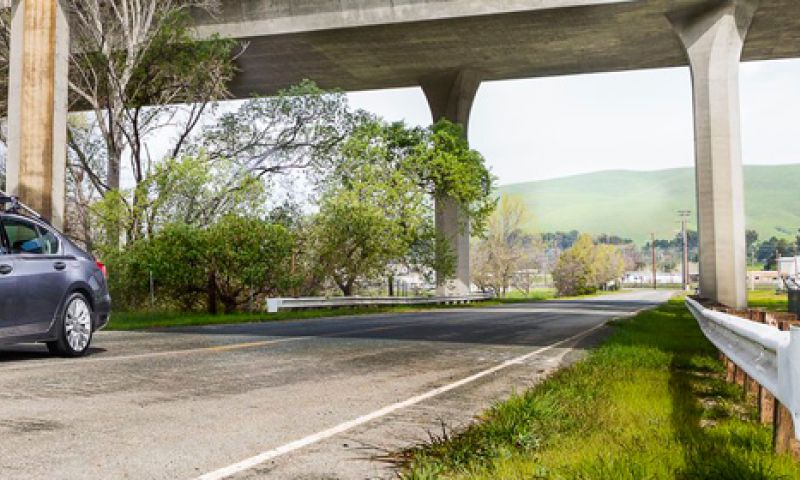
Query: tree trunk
x=229, y=303
x=347, y=289
x=212, y=293
x=391, y=285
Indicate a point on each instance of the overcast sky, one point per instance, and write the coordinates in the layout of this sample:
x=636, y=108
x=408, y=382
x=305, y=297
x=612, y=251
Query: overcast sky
x=553, y=127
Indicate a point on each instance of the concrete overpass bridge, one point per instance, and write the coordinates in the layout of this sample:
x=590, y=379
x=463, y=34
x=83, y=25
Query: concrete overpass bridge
x=448, y=47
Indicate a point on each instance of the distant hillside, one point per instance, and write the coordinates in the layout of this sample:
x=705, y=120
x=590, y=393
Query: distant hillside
x=634, y=204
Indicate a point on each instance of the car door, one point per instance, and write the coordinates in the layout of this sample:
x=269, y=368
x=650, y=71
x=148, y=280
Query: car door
x=11, y=307
x=42, y=274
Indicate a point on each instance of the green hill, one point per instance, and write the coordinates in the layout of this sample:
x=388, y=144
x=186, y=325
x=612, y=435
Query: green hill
x=634, y=204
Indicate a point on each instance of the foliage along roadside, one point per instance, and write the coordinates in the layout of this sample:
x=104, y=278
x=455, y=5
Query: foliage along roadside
x=650, y=403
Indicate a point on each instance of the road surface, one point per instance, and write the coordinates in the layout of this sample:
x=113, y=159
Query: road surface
x=325, y=398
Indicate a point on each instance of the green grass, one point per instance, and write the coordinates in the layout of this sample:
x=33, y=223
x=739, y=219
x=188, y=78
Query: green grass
x=648, y=404
x=768, y=300
x=638, y=203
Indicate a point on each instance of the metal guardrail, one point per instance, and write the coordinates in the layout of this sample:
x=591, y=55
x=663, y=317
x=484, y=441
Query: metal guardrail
x=276, y=304
x=768, y=355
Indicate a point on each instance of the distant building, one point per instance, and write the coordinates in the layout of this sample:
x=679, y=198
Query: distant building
x=788, y=266
x=646, y=278
x=764, y=279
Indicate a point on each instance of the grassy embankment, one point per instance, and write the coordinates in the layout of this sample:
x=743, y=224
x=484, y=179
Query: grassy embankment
x=768, y=300
x=639, y=203
x=650, y=403
x=154, y=319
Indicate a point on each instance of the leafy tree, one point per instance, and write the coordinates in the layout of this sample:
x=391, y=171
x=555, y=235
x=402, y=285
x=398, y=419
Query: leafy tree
x=389, y=175
x=248, y=258
x=768, y=250
x=355, y=240
x=447, y=168
x=176, y=258
x=576, y=271
x=560, y=240
x=610, y=264
x=371, y=216
x=606, y=239
x=190, y=190
x=585, y=267
x=751, y=237
x=234, y=261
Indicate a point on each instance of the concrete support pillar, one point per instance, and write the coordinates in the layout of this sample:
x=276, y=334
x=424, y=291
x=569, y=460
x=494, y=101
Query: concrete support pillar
x=450, y=96
x=37, y=106
x=713, y=38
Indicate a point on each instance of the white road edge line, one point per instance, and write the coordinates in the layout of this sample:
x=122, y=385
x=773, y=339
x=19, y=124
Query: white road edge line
x=268, y=455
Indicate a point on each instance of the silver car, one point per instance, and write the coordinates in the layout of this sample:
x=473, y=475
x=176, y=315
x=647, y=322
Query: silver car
x=51, y=291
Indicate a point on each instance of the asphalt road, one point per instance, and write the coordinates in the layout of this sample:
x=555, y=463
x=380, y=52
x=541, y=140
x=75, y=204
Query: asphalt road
x=320, y=399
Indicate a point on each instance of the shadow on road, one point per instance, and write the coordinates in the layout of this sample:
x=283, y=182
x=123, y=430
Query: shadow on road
x=530, y=324
x=23, y=352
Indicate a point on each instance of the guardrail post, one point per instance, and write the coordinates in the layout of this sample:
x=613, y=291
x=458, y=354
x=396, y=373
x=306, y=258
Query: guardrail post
x=784, y=440
x=753, y=390
x=766, y=406
x=730, y=371
x=273, y=305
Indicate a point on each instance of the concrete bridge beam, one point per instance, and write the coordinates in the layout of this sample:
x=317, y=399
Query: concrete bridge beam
x=37, y=106
x=451, y=96
x=713, y=38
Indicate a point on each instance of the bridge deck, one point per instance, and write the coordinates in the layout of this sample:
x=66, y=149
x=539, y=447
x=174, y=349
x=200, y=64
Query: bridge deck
x=372, y=45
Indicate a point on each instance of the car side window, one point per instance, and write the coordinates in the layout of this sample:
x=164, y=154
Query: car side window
x=23, y=237
x=50, y=242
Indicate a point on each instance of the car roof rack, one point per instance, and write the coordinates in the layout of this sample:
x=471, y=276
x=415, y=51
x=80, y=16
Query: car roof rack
x=11, y=204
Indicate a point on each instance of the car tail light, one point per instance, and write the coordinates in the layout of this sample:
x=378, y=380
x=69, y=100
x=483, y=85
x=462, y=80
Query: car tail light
x=102, y=268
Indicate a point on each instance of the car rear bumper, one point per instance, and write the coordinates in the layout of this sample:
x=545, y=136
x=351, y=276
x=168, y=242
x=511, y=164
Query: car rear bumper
x=102, y=312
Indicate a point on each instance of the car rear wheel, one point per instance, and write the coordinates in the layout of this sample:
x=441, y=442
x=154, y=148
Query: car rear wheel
x=74, y=329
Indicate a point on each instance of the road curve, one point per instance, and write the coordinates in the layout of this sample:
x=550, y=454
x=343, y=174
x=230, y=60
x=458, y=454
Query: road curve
x=324, y=398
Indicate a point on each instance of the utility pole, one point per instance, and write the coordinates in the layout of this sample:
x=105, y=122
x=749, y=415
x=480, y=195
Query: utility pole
x=653, y=249
x=685, y=241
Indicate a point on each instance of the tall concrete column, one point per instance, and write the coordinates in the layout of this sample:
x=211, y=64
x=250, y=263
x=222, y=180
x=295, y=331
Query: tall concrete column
x=450, y=96
x=37, y=106
x=713, y=39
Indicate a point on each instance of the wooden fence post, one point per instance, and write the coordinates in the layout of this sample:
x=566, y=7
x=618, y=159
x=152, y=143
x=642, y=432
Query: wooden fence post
x=766, y=406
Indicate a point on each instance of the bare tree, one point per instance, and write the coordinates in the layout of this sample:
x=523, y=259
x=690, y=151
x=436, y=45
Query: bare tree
x=131, y=54
x=507, y=247
x=139, y=72
x=529, y=265
x=300, y=128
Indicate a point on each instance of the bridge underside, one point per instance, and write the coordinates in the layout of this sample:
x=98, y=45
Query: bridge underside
x=448, y=47
x=379, y=51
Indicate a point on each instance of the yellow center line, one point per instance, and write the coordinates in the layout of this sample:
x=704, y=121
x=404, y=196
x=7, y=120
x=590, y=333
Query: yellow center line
x=188, y=351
